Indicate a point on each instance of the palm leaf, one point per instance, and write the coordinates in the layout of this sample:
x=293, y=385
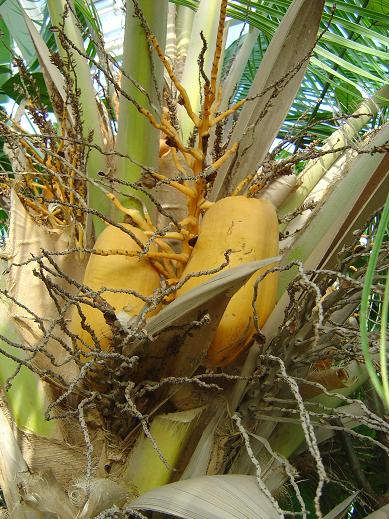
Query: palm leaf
x=13, y=17
x=261, y=118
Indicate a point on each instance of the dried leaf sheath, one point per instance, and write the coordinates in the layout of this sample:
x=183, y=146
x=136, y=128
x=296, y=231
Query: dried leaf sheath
x=25, y=285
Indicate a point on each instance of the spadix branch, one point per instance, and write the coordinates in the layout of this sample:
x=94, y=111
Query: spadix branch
x=234, y=108
x=205, y=121
x=218, y=51
x=164, y=125
x=185, y=99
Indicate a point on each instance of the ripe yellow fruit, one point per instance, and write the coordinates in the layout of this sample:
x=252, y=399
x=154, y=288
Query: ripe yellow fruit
x=114, y=272
x=249, y=227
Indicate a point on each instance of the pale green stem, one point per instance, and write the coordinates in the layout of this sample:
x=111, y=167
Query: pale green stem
x=206, y=20
x=383, y=342
x=136, y=136
x=382, y=390
x=184, y=23
x=339, y=169
x=171, y=36
x=315, y=241
x=345, y=135
x=88, y=102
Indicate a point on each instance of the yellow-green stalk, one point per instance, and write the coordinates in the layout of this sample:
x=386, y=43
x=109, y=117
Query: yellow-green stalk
x=171, y=432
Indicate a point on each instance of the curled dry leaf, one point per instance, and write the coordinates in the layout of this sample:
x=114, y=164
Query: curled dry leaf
x=331, y=379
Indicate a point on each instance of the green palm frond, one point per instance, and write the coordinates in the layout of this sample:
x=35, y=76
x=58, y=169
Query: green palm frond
x=344, y=61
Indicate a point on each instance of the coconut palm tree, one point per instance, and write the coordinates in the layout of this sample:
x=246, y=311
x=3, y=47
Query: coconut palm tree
x=159, y=325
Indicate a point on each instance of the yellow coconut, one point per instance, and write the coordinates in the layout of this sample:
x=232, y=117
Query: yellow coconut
x=249, y=227
x=114, y=271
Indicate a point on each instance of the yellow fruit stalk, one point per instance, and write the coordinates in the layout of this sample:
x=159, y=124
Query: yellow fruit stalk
x=249, y=227
x=171, y=432
x=114, y=272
